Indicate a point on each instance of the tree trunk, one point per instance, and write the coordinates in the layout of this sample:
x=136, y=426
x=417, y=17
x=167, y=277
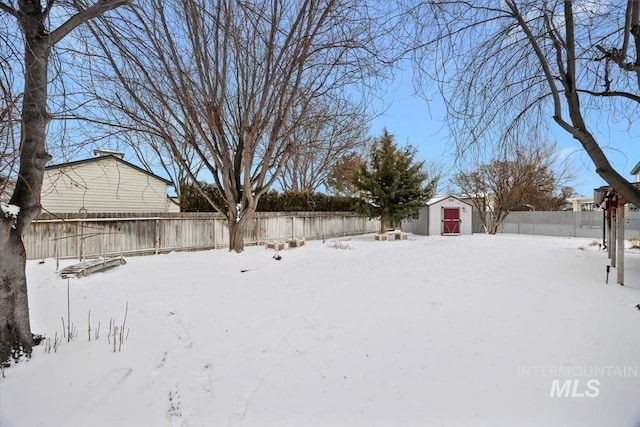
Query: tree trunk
x=382, y=219
x=15, y=330
x=236, y=226
x=236, y=241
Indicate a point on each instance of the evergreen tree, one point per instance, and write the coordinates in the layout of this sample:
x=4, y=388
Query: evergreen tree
x=391, y=186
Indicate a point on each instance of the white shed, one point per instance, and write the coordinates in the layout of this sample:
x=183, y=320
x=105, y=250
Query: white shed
x=105, y=183
x=444, y=215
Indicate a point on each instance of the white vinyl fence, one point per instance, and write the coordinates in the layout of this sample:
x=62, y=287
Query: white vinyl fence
x=130, y=234
x=568, y=224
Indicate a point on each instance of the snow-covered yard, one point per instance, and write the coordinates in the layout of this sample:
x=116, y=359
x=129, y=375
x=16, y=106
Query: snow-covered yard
x=436, y=331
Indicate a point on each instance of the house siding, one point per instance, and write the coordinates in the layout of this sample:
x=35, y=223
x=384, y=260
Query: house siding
x=107, y=185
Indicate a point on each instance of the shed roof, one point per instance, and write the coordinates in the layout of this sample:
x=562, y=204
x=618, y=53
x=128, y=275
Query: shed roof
x=439, y=199
x=110, y=157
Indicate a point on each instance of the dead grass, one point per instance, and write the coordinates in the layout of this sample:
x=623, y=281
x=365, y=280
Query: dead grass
x=635, y=242
x=594, y=243
x=340, y=244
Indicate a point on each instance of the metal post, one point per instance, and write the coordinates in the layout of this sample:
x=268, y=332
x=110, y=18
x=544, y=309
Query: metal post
x=620, y=240
x=604, y=228
x=610, y=241
x=613, y=237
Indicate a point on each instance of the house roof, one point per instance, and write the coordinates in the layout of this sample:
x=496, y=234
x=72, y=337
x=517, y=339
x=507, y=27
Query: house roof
x=110, y=157
x=636, y=169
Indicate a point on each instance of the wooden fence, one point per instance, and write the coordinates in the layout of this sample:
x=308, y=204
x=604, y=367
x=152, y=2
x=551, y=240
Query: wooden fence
x=81, y=236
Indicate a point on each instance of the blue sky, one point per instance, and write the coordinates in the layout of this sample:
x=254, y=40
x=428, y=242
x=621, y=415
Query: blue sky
x=420, y=123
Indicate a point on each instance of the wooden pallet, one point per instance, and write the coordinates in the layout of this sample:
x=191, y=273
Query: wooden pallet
x=90, y=266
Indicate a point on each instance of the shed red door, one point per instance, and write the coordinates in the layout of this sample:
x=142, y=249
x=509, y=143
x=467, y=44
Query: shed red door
x=451, y=220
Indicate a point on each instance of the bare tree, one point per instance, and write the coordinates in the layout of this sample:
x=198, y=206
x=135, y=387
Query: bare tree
x=235, y=79
x=341, y=176
x=527, y=177
x=153, y=154
x=504, y=67
x=9, y=114
x=32, y=19
x=332, y=129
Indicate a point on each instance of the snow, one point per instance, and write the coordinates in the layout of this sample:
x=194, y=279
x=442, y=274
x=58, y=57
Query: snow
x=9, y=211
x=433, y=331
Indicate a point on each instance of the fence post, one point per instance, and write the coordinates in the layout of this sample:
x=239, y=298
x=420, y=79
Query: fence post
x=55, y=248
x=257, y=230
x=215, y=246
x=156, y=242
x=81, y=243
x=104, y=248
x=344, y=226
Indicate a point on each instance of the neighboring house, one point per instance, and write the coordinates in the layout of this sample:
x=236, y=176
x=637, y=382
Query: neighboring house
x=444, y=215
x=602, y=193
x=105, y=183
x=581, y=204
x=636, y=172
x=173, y=204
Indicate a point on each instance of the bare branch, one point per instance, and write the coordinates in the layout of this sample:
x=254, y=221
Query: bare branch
x=93, y=11
x=530, y=65
x=614, y=94
x=230, y=85
x=8, y=9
